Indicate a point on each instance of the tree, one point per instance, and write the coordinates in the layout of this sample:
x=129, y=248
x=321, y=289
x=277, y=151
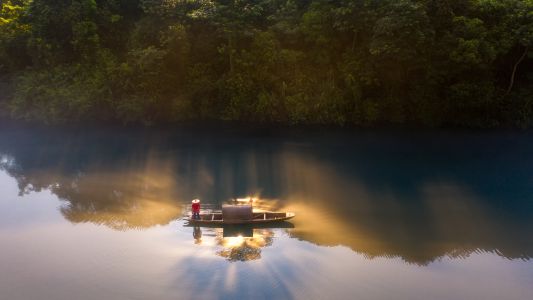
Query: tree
x=13, y=35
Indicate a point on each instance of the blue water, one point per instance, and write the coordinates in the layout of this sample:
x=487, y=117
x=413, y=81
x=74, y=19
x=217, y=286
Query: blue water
x=99, y=214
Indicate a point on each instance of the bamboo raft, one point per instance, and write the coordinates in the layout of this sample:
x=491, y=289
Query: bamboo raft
x=240, y=214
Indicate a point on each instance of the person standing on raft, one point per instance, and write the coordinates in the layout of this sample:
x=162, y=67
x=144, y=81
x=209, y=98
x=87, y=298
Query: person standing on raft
x=196, y=209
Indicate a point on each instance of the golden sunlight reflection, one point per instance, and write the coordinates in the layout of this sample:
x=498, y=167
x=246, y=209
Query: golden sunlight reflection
x=441, y=220
x=322, y=226
x=237, y=247
x=138, y=196
x=261, y=204
x=232, y=242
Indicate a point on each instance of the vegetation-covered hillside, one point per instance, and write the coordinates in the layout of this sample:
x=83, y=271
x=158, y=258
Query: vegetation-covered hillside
x=361, y=62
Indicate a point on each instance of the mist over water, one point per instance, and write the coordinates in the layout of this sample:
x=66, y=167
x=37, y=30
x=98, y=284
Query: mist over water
x=94, y=215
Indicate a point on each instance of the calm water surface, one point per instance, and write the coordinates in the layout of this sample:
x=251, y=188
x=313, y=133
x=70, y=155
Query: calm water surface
x=91, y=214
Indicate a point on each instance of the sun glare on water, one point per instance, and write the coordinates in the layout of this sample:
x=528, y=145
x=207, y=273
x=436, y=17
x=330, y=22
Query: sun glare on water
x=234, y=241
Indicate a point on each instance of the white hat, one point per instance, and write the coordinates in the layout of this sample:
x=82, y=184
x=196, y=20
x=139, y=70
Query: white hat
x=196, y=201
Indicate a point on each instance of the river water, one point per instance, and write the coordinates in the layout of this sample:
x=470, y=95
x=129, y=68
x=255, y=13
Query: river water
x=94, y=214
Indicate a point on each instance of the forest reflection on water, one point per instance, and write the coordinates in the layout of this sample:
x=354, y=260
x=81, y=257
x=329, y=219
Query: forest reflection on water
x=417, y=197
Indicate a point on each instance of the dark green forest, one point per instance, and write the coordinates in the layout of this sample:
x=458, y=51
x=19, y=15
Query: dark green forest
x=465, y=63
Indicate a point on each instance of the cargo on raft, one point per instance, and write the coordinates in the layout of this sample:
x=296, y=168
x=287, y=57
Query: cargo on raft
x=240, y=214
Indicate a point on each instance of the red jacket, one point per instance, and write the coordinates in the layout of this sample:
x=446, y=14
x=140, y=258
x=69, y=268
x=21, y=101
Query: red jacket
x=196, y=207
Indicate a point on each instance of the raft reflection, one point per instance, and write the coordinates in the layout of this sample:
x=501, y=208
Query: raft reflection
x=239, y=242
x=241, y=248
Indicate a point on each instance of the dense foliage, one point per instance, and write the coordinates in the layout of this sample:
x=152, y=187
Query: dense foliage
x=360, y=62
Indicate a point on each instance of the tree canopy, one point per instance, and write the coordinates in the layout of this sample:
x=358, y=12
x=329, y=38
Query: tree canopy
x=357, y=62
